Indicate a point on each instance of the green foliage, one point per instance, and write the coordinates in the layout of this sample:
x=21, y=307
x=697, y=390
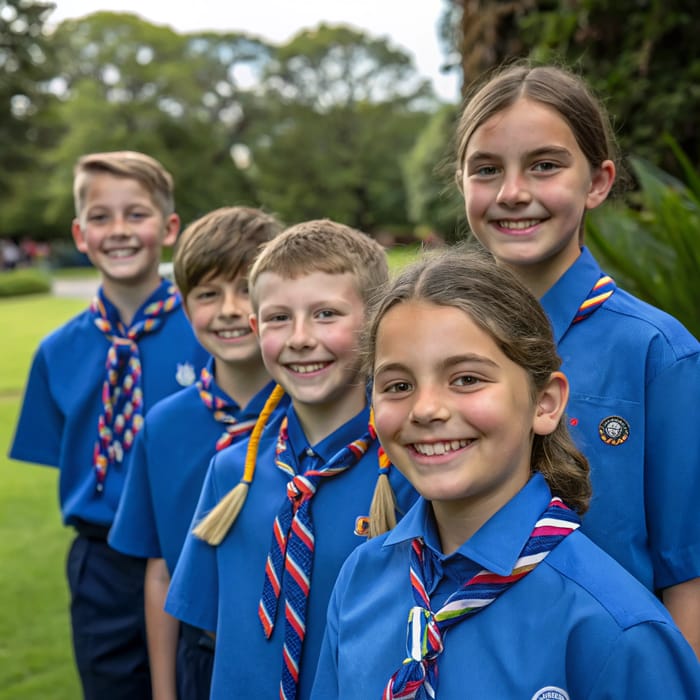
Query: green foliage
x=651, y=246
x=23, y=281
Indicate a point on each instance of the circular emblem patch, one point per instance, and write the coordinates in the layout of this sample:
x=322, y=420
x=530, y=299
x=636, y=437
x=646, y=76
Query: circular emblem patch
x=551, y=693
x=614, y=430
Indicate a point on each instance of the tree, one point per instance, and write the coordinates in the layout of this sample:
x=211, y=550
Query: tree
x=342, y=110
x=24, y=66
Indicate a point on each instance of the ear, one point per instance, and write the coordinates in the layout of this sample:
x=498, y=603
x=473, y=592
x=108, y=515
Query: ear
x=253, y=323
x=172, y=228
x=550, y=404
x=601, y=183
x=78, y=237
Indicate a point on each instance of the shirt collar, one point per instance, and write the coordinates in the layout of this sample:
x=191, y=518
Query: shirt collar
x=563, y=298
x=330, y=445
x=497, y=544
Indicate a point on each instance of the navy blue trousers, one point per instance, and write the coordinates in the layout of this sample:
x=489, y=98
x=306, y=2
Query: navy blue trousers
x=195, y=663
x=107, y=615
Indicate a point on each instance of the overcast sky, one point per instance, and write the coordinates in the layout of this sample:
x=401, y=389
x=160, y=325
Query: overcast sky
x=409, y=24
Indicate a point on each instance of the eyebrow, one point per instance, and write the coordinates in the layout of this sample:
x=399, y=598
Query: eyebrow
x=446, y=363
x=536, y=153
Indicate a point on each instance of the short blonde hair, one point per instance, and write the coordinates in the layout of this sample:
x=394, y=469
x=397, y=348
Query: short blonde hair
x=128, y=164
x=223, y=242
x=322, y=245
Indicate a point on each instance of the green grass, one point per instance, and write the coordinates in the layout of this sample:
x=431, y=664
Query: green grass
x=35, y=649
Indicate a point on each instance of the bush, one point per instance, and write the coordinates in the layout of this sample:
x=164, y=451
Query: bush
x=26, y=280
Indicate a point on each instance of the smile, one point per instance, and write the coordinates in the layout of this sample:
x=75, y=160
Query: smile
x=519, y=225
x=235, y=333
x=121, y=252
x=308, y=368
x=439, y=448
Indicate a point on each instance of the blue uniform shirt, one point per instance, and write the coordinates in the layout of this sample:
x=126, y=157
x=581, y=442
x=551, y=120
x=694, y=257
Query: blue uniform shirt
x=167, y=466
x=577, y=626
x=635, y=388
x=62, y=402
x=218, y=588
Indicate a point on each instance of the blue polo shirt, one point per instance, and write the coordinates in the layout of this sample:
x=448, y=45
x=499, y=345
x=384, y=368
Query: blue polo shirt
x=635, y=386
x=58, y=421
x=218, y=588
x=167, y=466
x=578, y=626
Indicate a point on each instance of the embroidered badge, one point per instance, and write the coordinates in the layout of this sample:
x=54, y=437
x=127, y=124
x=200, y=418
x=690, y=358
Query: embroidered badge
x=550, y=693
x=614, y=430
x=362, y=526
x=185, y=375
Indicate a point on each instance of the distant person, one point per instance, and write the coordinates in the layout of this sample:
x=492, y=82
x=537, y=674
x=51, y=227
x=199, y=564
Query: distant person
x=535, y=152
x=90, y=383
x=259, y=569
x=486, y=588
x=182, y=432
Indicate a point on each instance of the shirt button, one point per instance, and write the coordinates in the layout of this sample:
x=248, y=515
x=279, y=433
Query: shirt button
x=309, y=452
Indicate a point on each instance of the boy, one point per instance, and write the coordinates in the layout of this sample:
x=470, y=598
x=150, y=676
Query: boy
x=165, y=474
x=81, y=411
x=309, y=290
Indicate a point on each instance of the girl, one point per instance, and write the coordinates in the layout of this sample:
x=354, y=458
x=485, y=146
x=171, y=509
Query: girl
x=468, y=402
x=535, y=152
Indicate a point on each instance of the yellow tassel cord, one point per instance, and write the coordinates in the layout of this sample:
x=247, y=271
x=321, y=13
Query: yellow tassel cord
x=382, y=511
x=216, y=525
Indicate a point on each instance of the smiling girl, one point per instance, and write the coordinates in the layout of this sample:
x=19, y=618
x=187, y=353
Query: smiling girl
x=468, y=402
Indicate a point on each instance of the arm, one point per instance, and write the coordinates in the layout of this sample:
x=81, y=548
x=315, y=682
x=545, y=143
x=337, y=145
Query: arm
x=683, y=602
x=161, y=630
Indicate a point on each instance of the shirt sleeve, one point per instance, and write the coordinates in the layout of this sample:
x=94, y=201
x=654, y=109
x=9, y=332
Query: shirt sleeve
x=134, y=531
x=194, y=589
x=649, y=661
x=39, y=432
x=673, y=472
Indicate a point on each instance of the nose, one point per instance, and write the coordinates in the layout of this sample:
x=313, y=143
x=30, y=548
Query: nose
x=429, y=405
x=231, y=305
x=300, y=336
x=513, y=190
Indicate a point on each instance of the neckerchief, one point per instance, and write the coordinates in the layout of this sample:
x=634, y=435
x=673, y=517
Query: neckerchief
x=122, y=395
x=418, y=676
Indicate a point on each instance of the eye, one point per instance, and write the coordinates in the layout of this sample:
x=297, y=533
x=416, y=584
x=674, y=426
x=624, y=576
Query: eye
x=326, y=314
x=138, y=215
x=545, y=166
x=97, y=218
x=277, y=318
x=399, y=387
x=466, y=380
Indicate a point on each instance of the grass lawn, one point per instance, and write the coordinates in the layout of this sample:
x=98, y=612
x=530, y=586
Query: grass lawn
x=36, y=659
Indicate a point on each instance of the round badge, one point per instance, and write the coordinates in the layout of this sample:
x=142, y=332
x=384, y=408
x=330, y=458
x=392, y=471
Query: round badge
x=551, y=693
x=614, y=430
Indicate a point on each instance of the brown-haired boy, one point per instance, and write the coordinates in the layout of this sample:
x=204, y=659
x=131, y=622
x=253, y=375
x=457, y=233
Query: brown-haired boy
x=90, y=383
x=183, y=432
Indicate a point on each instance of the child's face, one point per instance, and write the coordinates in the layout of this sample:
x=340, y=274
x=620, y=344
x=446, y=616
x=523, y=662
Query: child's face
x=308, y=328
x=219, y=309
x=526, y=186
x=122, y=230
x=453, y=413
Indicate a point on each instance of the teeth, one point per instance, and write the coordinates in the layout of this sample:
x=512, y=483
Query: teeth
x=121, y=252
x=305, y=369
x=518, y=225
x=439, y=448
x=238, y=333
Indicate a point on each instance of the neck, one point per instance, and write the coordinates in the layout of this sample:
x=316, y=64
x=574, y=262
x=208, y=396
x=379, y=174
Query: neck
x=540, y=277
x=128, y=298
x=240, y=381
x=320, y=420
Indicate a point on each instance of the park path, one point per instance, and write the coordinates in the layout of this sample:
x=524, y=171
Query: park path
x=75, y=289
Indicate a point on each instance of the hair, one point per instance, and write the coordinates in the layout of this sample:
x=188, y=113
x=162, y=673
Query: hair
x=223, y=242
x=127, y=164
x=313, y=246
x=553, y=86
x=467, y=278
x=323, y=245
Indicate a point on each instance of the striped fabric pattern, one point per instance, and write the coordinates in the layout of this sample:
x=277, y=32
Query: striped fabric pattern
x=417, y=678
x=602, y=290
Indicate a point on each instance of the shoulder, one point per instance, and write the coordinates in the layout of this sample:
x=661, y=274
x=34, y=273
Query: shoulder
x=610, y=593
x=173, y=407
x=72, y=331
x=651, y=323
